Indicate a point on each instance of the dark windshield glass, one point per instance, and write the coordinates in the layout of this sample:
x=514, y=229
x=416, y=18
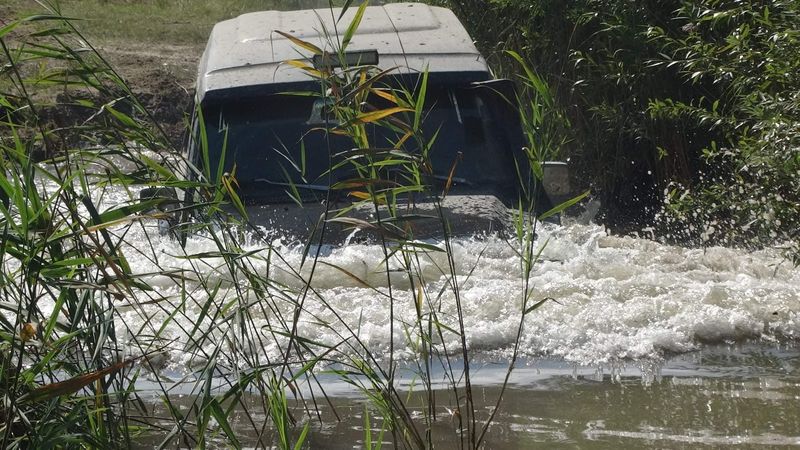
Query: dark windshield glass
x=277, y=140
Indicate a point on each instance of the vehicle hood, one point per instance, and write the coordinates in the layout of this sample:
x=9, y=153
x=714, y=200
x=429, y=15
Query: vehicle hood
x=464, y=215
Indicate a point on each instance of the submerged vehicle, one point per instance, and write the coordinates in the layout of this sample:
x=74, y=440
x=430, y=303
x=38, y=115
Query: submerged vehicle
x=287, y=165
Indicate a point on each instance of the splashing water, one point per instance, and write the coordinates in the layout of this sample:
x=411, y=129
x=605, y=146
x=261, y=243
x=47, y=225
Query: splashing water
x=632, y=310
x=616, y=298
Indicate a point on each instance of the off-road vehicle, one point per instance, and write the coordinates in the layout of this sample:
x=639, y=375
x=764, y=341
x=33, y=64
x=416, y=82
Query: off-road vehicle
x=278, y=147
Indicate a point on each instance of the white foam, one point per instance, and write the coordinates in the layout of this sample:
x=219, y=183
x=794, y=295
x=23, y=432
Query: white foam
x=617, y=298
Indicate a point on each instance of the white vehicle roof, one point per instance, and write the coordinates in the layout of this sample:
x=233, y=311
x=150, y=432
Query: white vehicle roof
x=246, y=51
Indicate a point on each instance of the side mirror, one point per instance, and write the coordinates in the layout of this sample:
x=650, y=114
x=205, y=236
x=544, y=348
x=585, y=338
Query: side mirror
x=501, y=96
x=321, y=115
x=555, y=181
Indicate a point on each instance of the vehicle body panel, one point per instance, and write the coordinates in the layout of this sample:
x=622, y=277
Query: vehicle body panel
x=413, y=37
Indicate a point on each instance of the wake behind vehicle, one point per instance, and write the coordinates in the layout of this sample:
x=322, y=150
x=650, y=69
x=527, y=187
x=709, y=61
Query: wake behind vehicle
x=290, y=168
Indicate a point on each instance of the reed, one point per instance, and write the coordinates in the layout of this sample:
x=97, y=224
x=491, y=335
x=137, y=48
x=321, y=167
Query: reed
x=74, y=360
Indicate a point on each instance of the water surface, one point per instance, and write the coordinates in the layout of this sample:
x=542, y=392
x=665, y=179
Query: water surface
x=646, y=345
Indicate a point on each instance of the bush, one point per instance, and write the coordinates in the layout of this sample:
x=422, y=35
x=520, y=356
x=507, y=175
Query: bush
x=683, y=115
x=747, y=190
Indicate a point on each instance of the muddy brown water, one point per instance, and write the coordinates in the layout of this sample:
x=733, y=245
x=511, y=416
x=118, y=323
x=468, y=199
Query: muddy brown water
x=649, y=346
x=721, y=396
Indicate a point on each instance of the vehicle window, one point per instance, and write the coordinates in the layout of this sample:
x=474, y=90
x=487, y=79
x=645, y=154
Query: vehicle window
x=276, y=140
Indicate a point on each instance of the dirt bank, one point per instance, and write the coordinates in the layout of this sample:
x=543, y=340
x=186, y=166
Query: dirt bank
x=162, y=76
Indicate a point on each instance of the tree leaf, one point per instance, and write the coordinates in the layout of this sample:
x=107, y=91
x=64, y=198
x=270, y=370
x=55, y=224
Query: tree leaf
x=351, y=30
x=374, y=116
x=563, y=206
x=536, y=306
x=73, y=384
x=122, y=212
x=301, y=43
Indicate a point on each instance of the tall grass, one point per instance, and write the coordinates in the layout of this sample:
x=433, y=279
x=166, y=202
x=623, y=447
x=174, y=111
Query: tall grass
x=81, y=331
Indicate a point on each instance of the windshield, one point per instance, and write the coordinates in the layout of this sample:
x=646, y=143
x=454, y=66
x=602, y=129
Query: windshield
x=278, y=140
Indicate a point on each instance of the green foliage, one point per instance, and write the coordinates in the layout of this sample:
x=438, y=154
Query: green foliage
x=385, y=173
x=691, y=103
x=71, y=359
x=63, y=381
x=748, y=58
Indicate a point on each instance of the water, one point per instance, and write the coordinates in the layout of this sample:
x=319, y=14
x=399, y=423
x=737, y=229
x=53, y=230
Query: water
x=646, y=344
x=617, y=298
x=721, y=396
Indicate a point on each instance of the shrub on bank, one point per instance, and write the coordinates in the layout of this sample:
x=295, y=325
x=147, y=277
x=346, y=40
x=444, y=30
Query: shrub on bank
x=683, y=115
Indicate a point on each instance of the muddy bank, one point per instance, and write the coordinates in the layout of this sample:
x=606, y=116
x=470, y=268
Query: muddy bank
x=162, y=79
